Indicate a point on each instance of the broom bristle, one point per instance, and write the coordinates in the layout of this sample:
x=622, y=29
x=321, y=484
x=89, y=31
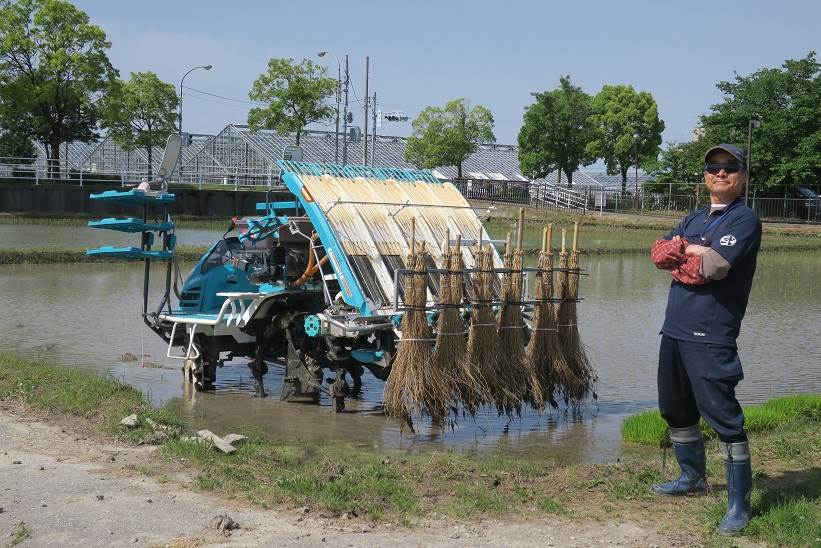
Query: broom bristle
x=450, y=353
x=544, y=349
x=563, y=374
x=416, y=385
x=579, y=380
x=512, y=368
x=483, y=338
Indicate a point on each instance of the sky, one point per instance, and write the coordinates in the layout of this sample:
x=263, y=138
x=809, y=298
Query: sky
x=494, y=53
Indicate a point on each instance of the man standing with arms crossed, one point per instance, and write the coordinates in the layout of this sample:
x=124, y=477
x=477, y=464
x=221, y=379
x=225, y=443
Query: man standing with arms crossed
x=711, y=256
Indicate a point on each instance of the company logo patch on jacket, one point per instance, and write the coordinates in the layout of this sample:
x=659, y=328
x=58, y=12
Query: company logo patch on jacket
x=728, y=240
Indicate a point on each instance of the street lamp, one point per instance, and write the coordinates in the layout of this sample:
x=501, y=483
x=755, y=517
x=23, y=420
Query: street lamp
x=206, y=67
x=753, y=122
x=338, y=99
x=636, y=153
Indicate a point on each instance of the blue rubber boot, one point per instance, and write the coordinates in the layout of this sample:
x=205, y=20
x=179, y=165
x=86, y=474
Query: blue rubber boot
x=688, y=446
x=739, y=486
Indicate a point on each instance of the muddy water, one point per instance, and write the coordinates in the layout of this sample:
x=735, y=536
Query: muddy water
x=87, y=316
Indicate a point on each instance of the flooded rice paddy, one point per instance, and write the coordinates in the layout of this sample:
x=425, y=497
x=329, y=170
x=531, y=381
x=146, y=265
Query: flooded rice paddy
x=88, y=316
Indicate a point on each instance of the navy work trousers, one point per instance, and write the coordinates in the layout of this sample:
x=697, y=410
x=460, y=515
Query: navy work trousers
x=698, y=380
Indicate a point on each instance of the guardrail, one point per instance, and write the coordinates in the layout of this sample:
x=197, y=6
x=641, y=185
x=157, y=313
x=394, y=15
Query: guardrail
x=26, y=169
x=540, y=195
x=786, y=210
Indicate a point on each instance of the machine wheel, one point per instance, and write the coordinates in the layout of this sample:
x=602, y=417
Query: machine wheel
x=203, y=374
x=302, y=376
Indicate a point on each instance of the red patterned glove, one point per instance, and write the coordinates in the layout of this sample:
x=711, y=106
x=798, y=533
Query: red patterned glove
x=668, y=254
x=689, y=272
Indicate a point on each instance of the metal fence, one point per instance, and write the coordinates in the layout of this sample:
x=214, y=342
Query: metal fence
x=786, y=210
x=27, y=169
x=535, y=194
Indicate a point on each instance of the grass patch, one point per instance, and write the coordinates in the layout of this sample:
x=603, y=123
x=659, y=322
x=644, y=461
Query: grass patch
x=21, y=533
x=180, y=221
x=549, y=505
x=649, y=428
x=54, y=256
x=786, y=510
x=101, y=401
x=470, y=500
x=335, y=479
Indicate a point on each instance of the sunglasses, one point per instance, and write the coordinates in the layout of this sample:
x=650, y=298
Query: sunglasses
x=714, y=168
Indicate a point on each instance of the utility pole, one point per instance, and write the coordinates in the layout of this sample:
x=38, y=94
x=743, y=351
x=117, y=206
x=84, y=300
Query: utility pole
x=345, y=118
x=373, y=136
x=636, y=152
x=365, y=144
x=752, y=123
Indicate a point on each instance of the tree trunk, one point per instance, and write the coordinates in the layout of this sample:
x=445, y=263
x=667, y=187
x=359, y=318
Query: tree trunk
x=558, y=177
x=150, y=169
x=459, y=170
x=54, y=160
x=623, y=180
x=298, y=135
x=569, y=175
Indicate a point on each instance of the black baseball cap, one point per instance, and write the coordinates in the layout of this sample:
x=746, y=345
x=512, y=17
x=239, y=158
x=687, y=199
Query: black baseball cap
x=733, y=150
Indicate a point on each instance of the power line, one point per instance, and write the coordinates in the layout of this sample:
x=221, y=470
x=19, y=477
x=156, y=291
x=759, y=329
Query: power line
x=255, y=103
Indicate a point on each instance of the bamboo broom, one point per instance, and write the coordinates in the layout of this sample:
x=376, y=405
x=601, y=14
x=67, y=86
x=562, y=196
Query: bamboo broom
x=580, y=382
x=512, y=364
x=450, y=354
x=415, y=386
x=483, y=338
x=544, y=349
x=449, y=350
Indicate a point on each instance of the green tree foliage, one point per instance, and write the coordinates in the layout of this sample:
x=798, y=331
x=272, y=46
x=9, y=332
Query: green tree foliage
x=18, y=145
x=787, y=146
x=556, y=131
x=141, y=113
x=678, y=167
x=619, y=113
x=447, y=136
x=53, y=70
x=295, y=94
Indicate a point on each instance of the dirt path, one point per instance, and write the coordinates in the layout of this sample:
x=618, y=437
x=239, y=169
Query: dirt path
x=71, y=491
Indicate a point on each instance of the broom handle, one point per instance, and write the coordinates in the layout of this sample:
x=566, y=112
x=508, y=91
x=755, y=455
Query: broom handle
x=413, y=235
x=549, y=237
x=575, y=234
x=544, y=240
x=564, y=240
x=479, y=240
x=520, y=235
x=446, y=249
x=458, y=243
x=507, y=244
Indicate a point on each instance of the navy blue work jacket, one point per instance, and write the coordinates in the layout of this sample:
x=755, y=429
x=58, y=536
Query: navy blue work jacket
x=712, y=313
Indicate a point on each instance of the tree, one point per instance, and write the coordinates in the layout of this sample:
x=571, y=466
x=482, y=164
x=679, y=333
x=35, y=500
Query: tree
x=53, y=69
x=141, y=113
x=620, y=113
x=680, y=165
x=295, y=95
x=447, y=136
x=556, y=131
x=787, y=146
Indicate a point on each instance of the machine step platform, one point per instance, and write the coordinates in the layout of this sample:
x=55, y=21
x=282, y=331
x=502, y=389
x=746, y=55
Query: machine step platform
x=133, y=197
x=131, y=253
x=131, y=224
